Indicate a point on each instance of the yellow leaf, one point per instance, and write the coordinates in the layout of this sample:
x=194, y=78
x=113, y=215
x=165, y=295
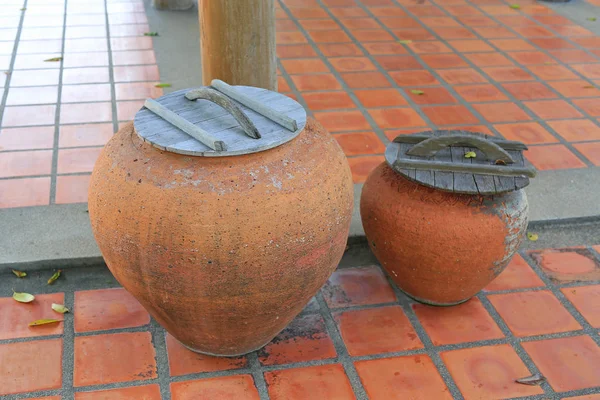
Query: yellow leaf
x=162, y=85
x=54, y=277
x=44, y=322
x=532, y=236
x=470, y=154
x=19, y=274
x=54, y=59
x=405, y=41
x=591, y=18
x=23, y=297
x=589, y=87
x=417, y=92
x=515, y=6
x=60, y=308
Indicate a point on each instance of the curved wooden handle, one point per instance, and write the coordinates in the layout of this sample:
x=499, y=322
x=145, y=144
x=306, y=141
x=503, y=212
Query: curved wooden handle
x=224, y=101
x=429, y=147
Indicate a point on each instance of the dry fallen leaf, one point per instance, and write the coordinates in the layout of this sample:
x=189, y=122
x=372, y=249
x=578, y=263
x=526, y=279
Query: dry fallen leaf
x=44, y=322
x=589, y=87
x=54, y=59
x=60, y=308
x=470, y=154
x=23, y=297
x=54, y=277
x=19, y=274
x=500, y=162
x=417, y=92
x=405, y=41
x=161, y=85
x=532, y=236
x=535, y=379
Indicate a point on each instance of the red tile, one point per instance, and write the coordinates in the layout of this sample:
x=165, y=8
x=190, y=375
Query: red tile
x=282, y=85
x=553, y=157
x=32, y=95
x=29, y=115
x=552, y=72
x=443, y=61
x=552, y=19
x=96, y=364
x=552, y=43
x=575, y=88
x=330, y=36
x=501, y=112
x=396, y=118
x=414, y=34
x=512, y=44
x=237, y=387
x=336, y=121
x=304, y=339
x=395, y=63
x=77, y=160
x=461, y=76
x=531, y=57
x=377, y=330
x=553, y=109
x=15, y=317
x=361, y=167
x=352, y=64
x=308, y=383
x=80, y=32
x=578, y=130
x=387, y=11
x=85, y=93
x=372, y=35
x=34, y=46
x=586, y=300
x=526, y=132
x=290, y=38
x=358, y=143
x=292, y=51
x=41, y=137
x=308, y=12
x=30, y=366
x=84, y=135
x=517, y=275
x=107, y=309
x=591, y=71
x=450, y=115
x=533, y=31
x=285, y=25
x=494, y=32
x=316, y=82
x=183, y=361
x=414, y=78
x=440, y=21
x=572, y=31
x=85, y=75
x=133, y=57
x=432, y=95
x=126, y=110
x=380, y=98
x=136, y=73
x=24, y=163
x=454, y=33
x=24, y=192
x=96, y=59
x=507, y=74
x=304, y=66
x=479, y=93
x=590, y=150
x=470, y=46
x=573, y=56
x=359, y=23
x=131, y=43
x=85, y=112
x=83, y=45
x=533, y=313
x=489, y=372
x=568, y=265
x=467, y=322
x=146, y=392
x=568, y=363
x=529, y=91
x=392, y=134
x=319, y=101
x=488, y=59
x=137, y=91
x=72, y=189
x=353, y=12
x=429, y=47
x=413, y=377
x=31, y=62
x=357, y=287
x=340, y=49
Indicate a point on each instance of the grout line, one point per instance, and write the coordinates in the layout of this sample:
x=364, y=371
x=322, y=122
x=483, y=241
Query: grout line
x=258, y=375
x=161, y=358
x=68, y=337
x=111, y=74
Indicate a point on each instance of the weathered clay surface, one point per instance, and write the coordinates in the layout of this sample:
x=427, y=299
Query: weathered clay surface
x=440, y=247
x=224, y=252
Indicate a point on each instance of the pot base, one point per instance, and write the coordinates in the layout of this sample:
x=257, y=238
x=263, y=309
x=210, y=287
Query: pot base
x=433, y=303
x=221, y=355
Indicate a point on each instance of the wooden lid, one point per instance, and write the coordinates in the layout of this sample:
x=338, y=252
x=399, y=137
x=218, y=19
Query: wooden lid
x=461, y=162
x=220, y=120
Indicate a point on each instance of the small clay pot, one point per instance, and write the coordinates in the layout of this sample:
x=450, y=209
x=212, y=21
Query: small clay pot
x=223, y=251
x=440, y=248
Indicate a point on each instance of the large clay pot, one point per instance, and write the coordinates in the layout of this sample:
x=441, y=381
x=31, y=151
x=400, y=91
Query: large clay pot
x=223, y=251
x=439, y=247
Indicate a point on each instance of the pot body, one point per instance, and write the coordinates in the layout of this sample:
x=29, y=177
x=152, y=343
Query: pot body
x=440, y=248
x=222, y=251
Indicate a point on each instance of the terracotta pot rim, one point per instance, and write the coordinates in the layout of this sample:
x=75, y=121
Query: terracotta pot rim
x=222, y=355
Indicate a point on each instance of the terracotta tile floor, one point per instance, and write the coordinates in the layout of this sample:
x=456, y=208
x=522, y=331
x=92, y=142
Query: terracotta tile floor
x=360, y=337
x=526, y=74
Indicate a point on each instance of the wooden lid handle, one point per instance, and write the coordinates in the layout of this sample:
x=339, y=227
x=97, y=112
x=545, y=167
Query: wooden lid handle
x=429, y=147
x=220, y=99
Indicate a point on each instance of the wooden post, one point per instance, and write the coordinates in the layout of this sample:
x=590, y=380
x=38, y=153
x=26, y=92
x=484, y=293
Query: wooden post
x=237, y=42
